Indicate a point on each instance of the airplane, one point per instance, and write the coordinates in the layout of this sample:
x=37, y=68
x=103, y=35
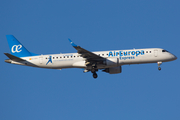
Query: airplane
x=107, y=61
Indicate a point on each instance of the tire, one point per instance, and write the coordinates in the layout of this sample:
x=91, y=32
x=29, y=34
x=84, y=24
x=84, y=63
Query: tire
x=95, y=75
x=159, y=68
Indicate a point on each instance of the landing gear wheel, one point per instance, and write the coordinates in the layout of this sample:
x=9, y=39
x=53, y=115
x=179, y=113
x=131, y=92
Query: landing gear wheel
x=159, y=68
x=95, y=75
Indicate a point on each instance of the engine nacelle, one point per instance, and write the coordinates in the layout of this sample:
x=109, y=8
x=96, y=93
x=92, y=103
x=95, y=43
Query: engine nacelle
x=113, y=70
x=112, y=62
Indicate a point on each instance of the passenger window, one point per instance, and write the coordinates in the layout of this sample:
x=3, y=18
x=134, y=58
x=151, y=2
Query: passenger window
x=149, y=51
x=146, y=51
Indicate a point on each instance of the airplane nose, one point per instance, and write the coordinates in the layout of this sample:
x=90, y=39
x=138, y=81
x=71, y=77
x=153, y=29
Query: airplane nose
x=174, y=57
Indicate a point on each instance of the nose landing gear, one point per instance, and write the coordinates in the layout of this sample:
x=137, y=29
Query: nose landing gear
x=159, y=63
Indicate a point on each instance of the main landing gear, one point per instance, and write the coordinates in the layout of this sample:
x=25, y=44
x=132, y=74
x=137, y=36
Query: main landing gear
x=94, y=70
x=159, y=63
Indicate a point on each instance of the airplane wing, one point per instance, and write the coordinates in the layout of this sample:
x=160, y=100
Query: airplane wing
x=87, y=54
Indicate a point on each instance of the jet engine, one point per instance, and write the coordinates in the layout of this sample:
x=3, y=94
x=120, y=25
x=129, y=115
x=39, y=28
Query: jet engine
x=113, y=70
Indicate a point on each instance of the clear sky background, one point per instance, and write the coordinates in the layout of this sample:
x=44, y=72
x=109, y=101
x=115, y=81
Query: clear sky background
x=140, y=92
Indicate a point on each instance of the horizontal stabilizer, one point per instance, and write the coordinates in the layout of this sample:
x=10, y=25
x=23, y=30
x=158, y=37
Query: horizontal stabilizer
x=14, y=58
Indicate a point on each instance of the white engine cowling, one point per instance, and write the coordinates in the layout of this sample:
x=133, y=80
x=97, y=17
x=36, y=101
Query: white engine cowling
x=112, y=62
x=113, y=70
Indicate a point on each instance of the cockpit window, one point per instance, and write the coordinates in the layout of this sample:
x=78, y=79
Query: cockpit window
x=164, y=51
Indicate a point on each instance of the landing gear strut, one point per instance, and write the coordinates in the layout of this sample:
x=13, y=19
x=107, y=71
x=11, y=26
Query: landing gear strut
x=159, y=63
x=93, y=70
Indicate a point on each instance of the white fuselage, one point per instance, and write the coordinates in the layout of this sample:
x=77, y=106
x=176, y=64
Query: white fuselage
x=117, y=57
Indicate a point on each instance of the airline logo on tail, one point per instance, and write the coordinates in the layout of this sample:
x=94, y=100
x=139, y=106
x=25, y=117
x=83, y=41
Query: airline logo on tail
x=16, y=48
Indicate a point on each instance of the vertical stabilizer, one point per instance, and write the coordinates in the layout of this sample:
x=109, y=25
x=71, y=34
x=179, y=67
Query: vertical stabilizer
x=16, y=48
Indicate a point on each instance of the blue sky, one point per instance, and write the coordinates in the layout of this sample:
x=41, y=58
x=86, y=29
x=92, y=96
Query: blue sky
x=140, y=92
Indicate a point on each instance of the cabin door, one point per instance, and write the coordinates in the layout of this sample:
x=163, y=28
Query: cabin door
x=41, y=59
x=155, y=53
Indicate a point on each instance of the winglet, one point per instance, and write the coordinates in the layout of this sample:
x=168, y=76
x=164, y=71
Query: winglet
x=74, y=45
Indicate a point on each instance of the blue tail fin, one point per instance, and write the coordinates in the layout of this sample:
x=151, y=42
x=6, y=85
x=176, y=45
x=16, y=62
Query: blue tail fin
x=16, y=48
